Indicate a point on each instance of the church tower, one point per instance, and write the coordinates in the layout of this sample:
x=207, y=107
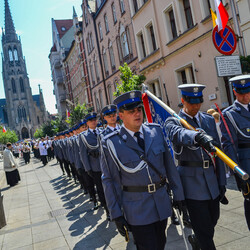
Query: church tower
x=20, y=106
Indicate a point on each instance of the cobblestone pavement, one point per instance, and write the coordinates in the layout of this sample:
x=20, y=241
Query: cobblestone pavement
x=48, y=211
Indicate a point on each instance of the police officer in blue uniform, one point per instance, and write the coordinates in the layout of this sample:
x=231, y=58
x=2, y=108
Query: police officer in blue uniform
x=90, y=156
x=203, y=182
x=138, y=162
x=109, y=114
x=237, y=117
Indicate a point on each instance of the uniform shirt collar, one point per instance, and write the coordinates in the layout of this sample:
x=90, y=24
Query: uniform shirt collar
x=191, y=117
x=92, y=130
x=112, y=128
x=245, y=106
x=132, y=132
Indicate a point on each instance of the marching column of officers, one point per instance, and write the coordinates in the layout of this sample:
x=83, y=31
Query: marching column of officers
x=131, y=170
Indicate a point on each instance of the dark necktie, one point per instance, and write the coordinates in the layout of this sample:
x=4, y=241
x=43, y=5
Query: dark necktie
x=140, y=140
x=196, y=122
x=249, y=107
x=94, y=131
x=115, y=129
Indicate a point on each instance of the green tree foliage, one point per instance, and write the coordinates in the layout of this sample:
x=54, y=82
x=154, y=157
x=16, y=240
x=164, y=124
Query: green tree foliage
x=8, y=136
x=51, y=128
x=59, y=125
x=128, y=80
x=78, y=113
x=245, y=64
x=39, y=133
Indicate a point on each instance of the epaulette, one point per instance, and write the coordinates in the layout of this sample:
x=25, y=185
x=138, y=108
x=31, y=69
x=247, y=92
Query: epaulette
x=110, y=134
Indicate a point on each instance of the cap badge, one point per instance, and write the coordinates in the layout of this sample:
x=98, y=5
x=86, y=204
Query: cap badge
x=243, y=81
x=132, y=95
x=109, y=107
x=195, y=89
x=248, y=130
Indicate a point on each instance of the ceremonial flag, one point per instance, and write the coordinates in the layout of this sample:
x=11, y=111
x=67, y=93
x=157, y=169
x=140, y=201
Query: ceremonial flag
x=214, y=17
x=222, y=15
x=4, y=129
x=157, y=114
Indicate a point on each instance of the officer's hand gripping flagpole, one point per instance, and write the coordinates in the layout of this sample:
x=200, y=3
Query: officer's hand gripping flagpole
x=218, y=152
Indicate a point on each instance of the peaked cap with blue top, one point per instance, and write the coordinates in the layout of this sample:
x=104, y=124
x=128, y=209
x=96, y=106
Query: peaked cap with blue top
x=192, y=93
x=90, y=116
x=109, y=109
x=241, y=83
x=129, y=100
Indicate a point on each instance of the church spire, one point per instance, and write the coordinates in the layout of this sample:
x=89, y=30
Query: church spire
x=10, y=31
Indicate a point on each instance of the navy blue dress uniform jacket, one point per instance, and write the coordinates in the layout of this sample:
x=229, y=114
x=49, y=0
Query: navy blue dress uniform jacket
x=89, y=162
x=140, y=208
x=242, y=119
x=76, y=152
x=199, y=183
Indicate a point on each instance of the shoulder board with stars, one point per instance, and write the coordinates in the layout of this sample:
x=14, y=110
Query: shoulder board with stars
x=110, y=135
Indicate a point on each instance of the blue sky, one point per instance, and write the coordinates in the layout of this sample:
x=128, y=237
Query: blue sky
x=32, y=20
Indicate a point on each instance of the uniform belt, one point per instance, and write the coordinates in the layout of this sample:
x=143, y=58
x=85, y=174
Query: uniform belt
x=244, y=145
x=150, y=188
x=203, y=164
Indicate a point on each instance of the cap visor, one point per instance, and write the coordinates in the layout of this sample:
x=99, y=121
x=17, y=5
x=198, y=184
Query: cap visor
x=132, y=105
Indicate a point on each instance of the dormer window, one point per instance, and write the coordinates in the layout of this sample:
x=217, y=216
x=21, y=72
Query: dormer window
x=63, y=28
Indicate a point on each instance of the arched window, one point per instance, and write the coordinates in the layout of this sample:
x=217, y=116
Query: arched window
x=24, y=114
x=112, y=56
x=10, y=55
x=15, y=54
x=21, y=84
x=13, y=84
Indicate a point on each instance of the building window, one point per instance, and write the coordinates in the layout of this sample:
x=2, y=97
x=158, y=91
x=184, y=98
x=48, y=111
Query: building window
x=171, y=29
x=141, y=45
x=91, y=42
x=151, y=38
x=188, y=14
x=96, y=102
x=21, y=85
x=105, y=62
x=172, y=23
x=112, y=56
x=21, y=113
x=96, y=70
x=15, y=54
x=10, y=55
x=100, y=31
x=106, y=23
x=110, y=94
x=124, y=42
x=122, y=6
x=85, y=16
x=38, y=120
x=114, y=13
x=100, y=98
x=206, y=5
x=92, y=72
x=98, y=2
x=13, y=83
x=135, y=5
x=186, y=75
